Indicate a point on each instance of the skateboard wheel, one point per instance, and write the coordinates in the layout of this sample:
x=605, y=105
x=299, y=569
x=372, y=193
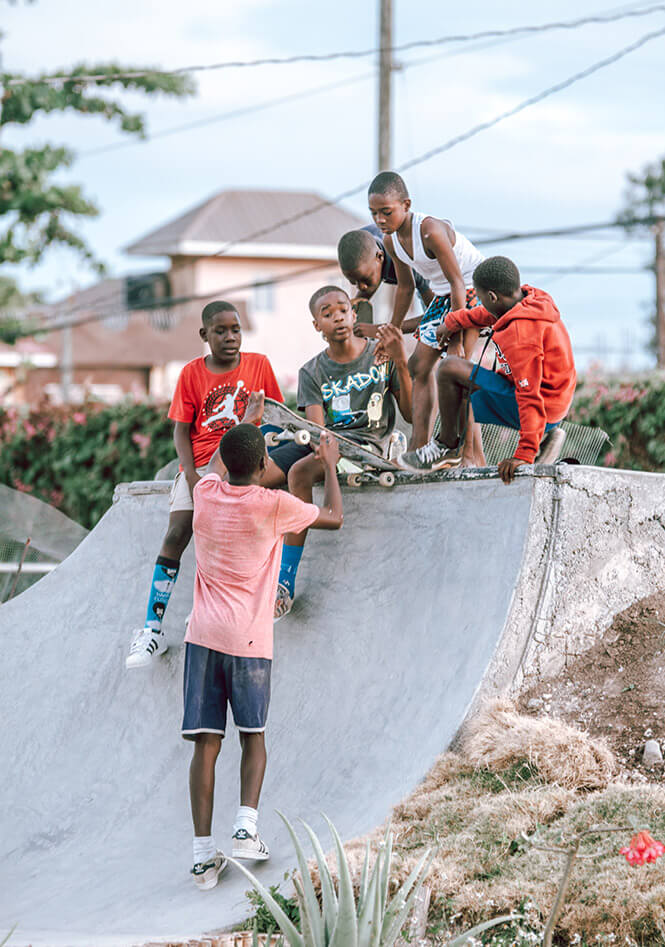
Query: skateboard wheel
x=387, y=478
x=354, y=480
x=303, y=438
x=272, y=439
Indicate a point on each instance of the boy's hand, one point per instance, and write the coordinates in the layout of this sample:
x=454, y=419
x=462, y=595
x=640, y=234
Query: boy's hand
x=328, y=450
x=192, y=478
x=391, y=342
x=365, y=330
x=507, y=468
x=254, y=410
x=443, y=335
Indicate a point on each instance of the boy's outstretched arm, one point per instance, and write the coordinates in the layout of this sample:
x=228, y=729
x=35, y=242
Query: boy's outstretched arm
x=405, y=285
x=391, y=343
x=331, y=515
x=183, y=446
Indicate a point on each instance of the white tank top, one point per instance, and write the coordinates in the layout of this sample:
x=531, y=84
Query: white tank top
x=468, y=257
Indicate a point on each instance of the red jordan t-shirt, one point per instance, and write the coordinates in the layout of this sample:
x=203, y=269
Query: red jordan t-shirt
x=215, y=403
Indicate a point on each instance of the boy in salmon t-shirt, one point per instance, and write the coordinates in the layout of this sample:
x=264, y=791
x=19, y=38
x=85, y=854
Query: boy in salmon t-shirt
x=533, y=388
x=213, y=393
x=238, y=529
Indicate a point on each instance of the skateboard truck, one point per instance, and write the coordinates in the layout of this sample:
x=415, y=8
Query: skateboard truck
x=385, y=479
x=273, y=438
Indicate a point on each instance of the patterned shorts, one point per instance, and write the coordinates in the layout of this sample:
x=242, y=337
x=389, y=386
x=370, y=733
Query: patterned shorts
x=436, y=312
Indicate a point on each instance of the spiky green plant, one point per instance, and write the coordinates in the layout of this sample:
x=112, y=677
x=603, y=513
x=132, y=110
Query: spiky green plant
x=374, y=921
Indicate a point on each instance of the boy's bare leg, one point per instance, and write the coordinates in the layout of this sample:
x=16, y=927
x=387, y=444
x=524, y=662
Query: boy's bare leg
x=273, y=476
x=302, y=477
x=252, y=768
x=178, y=534
x=421, y=367
x=453, y=380
x=202, y=781
x=471, y=457
x=478, y=450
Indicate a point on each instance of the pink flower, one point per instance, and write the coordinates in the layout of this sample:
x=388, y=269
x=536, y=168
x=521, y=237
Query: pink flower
x=642, y=848
x=78, y=417
x=143, y=442
x=57, y=496
x=29, y=429
x=23, y=487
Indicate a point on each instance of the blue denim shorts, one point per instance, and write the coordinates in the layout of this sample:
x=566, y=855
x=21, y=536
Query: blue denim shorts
x=212, y=680
x=436, y=313
x=495, y=401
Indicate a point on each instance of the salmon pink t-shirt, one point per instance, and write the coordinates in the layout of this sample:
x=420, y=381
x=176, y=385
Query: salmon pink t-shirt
x=215, y=403
x=238, y=535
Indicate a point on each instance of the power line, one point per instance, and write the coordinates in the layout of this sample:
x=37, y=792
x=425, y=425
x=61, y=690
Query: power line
x=347, y=54
x=565, y=231
x=452, y=142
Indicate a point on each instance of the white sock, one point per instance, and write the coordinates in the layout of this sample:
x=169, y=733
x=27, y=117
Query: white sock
x=204, y=848
x=246, y=819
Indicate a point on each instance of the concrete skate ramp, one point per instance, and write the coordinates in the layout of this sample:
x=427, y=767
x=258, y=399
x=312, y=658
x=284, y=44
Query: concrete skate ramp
x=399, y=616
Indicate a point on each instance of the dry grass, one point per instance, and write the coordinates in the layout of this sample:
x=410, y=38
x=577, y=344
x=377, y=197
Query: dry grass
x=511, y=776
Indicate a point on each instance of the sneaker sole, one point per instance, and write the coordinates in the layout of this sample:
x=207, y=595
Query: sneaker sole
x=208, y=885
x=142, y=660
x=249, y=856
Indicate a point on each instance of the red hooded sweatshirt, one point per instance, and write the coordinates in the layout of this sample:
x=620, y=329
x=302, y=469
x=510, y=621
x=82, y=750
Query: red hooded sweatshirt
x=535, y=353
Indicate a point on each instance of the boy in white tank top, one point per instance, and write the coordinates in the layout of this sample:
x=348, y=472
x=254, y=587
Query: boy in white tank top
x=447, y=259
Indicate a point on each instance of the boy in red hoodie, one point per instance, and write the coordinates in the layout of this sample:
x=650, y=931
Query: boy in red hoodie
x=533, y=386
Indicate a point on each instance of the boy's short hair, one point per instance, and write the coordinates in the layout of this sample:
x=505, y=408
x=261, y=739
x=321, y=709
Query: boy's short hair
x=389, y=182
x=498, y=274
x=241, y=449
x=324, y=292
x=354, y=247
x=218, y=305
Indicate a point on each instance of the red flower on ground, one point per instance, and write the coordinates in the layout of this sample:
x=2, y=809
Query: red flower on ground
x=642, y=848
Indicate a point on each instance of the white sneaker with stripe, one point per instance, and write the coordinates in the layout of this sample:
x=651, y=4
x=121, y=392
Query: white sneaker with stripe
x=206, y=874
x=146, y=644
x=251, y=847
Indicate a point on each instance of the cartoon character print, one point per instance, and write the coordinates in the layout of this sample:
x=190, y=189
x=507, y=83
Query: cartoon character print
x=225, y=407
x=375, y=409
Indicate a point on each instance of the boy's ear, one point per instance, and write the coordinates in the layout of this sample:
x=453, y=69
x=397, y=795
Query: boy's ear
x=315, y=324
x=203, y=332
x=407, y=204
x=263, y=463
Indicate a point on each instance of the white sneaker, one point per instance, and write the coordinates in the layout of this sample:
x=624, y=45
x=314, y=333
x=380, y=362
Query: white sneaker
x=146, y=644
x=249, y=846
x=206, y=874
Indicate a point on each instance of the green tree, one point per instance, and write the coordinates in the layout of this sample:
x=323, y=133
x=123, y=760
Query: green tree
x=14, y=302
x=36, y=209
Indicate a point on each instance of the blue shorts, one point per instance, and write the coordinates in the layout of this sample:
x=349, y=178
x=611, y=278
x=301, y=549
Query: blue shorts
x=435, y=314
x=287, y=454
x=212, y=680
x=495, y=401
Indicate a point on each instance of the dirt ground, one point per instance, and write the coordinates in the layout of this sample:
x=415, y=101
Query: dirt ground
x=617, y=689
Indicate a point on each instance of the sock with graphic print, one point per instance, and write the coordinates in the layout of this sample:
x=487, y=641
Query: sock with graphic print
x=163, y=580
x=291, y=556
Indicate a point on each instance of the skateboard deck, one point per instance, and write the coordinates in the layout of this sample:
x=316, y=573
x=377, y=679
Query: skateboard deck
x=373, y=466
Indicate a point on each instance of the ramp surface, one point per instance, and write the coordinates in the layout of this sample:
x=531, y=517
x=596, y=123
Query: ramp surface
x=397, y=619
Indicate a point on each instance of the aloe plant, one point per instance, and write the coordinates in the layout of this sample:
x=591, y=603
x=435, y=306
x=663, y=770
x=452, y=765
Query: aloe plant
x=374, y=920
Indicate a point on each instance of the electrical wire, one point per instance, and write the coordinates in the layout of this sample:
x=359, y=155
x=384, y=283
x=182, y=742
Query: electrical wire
x=598, y=19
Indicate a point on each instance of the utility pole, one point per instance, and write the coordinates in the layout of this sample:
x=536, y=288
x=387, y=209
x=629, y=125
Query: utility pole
x=384, y=130
x=66, y=361
x=659, y=267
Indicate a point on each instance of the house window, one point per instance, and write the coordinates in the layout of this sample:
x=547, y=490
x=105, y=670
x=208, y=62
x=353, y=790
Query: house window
x=264, y=295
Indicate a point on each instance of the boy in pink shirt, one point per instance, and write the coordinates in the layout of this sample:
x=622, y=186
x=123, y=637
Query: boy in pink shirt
x=238, y=531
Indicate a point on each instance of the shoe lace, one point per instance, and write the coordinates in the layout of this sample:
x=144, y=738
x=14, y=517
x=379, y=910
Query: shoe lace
x=141, y=640
x=429, y=451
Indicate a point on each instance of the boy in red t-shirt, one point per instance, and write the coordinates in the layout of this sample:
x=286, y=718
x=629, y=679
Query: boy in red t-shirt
x=239, y=527
x=213, y=393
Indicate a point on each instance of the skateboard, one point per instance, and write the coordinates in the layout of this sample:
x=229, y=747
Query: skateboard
x=372, y=467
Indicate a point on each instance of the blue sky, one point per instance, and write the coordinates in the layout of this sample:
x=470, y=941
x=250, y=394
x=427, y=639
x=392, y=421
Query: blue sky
x=559, y=163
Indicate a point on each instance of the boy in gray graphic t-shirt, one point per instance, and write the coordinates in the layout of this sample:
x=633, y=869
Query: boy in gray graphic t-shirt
x=343, y=389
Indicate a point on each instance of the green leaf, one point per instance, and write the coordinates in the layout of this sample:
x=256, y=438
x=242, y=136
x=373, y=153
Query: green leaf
x=288, y=928
x=462, y=940
x=310, y=902
x=328, y=895
x=345, y=933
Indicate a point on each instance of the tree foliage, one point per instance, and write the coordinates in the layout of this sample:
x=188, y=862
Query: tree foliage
x=36, y=209
x=645, y=194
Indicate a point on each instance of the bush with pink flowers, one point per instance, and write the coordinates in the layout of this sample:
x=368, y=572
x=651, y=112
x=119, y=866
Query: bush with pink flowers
x=632, y=412
x=72, y=457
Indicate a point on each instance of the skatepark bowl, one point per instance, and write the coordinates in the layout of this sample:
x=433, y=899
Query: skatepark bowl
x=432, y=596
